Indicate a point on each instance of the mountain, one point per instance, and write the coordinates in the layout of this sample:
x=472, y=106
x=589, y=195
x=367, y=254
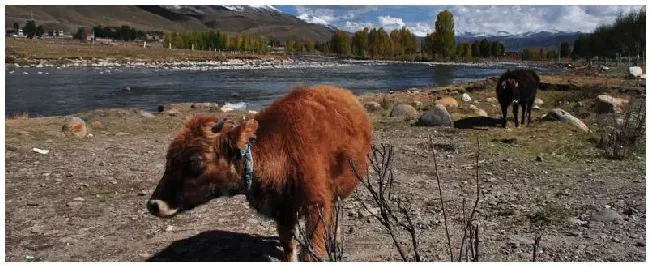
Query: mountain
x=260, y=20
x=517, y=42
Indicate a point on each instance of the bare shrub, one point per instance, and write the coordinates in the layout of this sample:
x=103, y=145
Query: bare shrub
x=334, y=240
x=395, y=213
x=622, y=139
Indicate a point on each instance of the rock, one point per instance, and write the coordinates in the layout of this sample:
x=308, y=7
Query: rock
x=144, y=113
x=520, y=240
x=78, y=199
x=97, y=124
x=604, y=68
x=74, y=204
x=608, y=104
x=634, y=72
x=235, y=95
x=40, y=151
x=10, y=147
x=606, y=215
x=557, y=114
x=372, y=107
x=539, y=101
x=74, y=126
x=404, y=110
x=539, y=158
x=127, y=89
x=365, y=213
x=491, y=100
x=576, y=221
x=448, y=102
x=169, y=228
x=416, y=104
x=630, y=211
x=465, y=97
x=436, y=116
x=478, y=111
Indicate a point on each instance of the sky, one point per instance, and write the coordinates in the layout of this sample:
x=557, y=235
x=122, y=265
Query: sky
x=483, y=20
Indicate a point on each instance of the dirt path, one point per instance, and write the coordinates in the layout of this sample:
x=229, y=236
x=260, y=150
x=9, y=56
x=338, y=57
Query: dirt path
x=85, y=199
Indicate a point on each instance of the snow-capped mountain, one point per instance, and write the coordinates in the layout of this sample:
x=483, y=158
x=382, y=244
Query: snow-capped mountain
x=547, y=39
x=315, y=20
x=252, y=7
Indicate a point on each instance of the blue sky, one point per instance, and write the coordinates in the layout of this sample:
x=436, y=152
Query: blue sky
x=488, y=20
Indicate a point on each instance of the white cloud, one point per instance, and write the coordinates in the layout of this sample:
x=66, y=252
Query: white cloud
x=390, y=23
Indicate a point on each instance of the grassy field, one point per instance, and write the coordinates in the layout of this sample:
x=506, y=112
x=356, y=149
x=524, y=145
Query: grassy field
x=29, y=50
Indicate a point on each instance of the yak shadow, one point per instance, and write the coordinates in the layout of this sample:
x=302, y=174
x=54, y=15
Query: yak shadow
x=220, y=245
x=476, y=122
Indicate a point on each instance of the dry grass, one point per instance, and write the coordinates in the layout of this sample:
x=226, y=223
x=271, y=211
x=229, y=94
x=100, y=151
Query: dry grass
x=20, y=50
x=19, y=116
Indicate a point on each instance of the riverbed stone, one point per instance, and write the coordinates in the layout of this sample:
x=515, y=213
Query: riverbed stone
x=448, y=102
x=404, y=110
x=74, y=126
x=436, y=116
x=372, y=107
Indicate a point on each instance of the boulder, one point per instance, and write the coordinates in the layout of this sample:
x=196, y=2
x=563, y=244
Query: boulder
x=607, y=104
x=465, y=97
x=144, y=113
x=448, y=102
x=634, y=72
x=436, y=116
x=539, y=102
x=74, y=126
x=372, y=107
x=97, y=124
x=557, y=114
x=606, y=216
x=416, y=104
x=478, y=111
x=404, y=110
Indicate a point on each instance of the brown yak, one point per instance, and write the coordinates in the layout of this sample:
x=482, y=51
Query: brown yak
x=298, y=150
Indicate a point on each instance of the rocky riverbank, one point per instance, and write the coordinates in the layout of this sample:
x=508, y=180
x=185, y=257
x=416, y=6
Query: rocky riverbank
x=67, y=195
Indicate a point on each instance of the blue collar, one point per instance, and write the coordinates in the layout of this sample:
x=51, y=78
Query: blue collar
x=247, y=175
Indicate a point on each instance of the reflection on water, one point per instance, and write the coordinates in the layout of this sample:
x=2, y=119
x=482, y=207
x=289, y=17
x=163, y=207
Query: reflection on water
x=71, y=90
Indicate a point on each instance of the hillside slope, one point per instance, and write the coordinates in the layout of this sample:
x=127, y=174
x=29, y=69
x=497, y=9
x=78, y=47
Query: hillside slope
x=264, y=21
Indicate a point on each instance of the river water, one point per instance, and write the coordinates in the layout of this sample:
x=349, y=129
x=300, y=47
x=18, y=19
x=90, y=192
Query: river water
x=50, y=91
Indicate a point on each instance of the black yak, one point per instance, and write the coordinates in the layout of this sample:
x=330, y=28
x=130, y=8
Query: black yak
x=517, y=87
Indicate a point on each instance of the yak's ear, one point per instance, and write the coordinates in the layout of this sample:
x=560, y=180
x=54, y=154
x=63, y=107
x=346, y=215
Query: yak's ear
x=244, y=133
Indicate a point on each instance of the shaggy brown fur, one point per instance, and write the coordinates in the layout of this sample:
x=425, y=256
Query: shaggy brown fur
x=303, y=142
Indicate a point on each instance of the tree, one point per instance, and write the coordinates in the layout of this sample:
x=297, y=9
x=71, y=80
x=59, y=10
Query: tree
x=30, y=29
x=565, y=49
x=340, y=43
x=476, y=48
x=81, y=34
x=428, y=44
x=484, y=48
x=444, y=41
x=40, y=31
x=360, y=42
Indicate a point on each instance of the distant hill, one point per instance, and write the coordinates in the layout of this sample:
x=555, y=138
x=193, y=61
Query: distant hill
x=514, y=43
x=255, y=20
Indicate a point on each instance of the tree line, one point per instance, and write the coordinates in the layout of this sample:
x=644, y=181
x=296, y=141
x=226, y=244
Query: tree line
x=30, y=29
x=215, y=40
x=625, y=37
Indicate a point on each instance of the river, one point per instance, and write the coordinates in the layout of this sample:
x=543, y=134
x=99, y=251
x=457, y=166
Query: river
x=48, y=91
